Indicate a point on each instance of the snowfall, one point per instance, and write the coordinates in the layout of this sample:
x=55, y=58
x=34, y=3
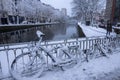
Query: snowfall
x=103, y=68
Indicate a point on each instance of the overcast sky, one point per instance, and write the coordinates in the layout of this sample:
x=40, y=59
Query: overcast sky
x=60, y=4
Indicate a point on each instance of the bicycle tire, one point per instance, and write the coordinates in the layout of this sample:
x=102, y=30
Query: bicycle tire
x=35, y=71
x=93, y=52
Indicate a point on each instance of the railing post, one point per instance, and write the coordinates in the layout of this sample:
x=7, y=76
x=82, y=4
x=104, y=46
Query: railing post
x=0, y=69
x=65, y=42
x=83, y=44
x=87, y=42
x=8, y=62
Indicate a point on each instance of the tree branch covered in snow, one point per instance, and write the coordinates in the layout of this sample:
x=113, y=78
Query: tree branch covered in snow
x=85, y=9
x=33, y=9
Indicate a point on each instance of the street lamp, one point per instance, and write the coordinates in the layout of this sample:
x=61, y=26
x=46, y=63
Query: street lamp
x=16, y=11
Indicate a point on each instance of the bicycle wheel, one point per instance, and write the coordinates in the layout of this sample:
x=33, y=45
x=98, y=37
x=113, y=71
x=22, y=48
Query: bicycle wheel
x=26, y=66
x=93, y=52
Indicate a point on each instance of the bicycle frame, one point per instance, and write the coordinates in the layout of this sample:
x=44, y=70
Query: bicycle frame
x=48, y=53
x=31, y=66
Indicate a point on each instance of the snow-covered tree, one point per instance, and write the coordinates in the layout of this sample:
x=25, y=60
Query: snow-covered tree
x=32, y=10
x=1, y=5
x=85, y=9
x=36, y=10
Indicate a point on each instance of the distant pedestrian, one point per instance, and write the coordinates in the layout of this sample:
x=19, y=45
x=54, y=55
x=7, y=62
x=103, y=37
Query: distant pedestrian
x=109, y=28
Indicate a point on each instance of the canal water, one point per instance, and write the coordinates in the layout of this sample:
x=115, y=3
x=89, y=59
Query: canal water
x=63, y=31
x=52, y=32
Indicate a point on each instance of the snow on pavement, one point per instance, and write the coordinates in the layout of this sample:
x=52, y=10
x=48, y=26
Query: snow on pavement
x=90, y=31
x=96, y=69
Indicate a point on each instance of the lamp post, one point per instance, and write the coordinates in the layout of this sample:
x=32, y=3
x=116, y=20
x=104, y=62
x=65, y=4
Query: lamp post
x=16, y=11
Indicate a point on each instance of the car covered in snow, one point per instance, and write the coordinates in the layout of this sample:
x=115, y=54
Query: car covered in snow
x=118, y=24
x=117, y=28
x=28, y=22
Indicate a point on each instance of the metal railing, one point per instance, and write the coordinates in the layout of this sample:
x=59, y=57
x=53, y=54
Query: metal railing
x=10, y=52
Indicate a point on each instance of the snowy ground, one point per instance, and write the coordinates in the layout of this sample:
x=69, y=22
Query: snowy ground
x=90, y=31
x=97, y=69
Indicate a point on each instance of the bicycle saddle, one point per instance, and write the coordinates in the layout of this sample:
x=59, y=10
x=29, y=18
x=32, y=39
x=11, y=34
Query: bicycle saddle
x=39, y=33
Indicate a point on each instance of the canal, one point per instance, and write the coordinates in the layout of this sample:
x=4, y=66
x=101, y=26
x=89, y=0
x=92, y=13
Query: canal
x=52, y=32
x=63, y=31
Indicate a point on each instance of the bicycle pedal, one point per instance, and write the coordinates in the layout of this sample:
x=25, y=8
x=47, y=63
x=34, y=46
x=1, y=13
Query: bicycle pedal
x=68, y=63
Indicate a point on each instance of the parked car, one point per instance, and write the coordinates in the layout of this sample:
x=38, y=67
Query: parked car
x=28, y=22
x=117, y=28
x=118, y=24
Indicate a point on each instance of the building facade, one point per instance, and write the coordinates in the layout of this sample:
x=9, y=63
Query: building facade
x=116, y=11
x=108, y=9
x=113, y=10
x=64, y=11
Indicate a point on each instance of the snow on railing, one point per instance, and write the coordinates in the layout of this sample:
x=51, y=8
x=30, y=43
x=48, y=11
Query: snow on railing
x=28, y=25
x=8, y=54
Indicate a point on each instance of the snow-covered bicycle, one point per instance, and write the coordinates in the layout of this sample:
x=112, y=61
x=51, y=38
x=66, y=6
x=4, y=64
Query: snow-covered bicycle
x=107, y=47
x=98, y=50
x=33, y=63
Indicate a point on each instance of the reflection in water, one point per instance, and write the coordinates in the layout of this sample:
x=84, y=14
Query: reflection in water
x=64, y=31
x=69, y=32
x=52, y=32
